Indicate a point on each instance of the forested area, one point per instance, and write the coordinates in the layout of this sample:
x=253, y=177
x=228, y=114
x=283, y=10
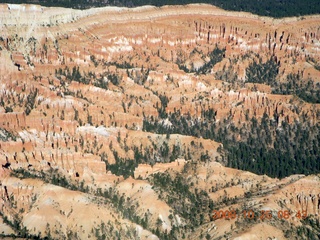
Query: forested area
x=273, y=8
x=267, y=73
x=180, y=196
x=264, y=147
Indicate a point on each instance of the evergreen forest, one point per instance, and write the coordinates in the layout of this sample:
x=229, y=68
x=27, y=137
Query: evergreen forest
x=272, y=8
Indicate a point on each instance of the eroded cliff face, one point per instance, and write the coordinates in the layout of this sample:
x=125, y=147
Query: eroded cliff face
x=79, y=88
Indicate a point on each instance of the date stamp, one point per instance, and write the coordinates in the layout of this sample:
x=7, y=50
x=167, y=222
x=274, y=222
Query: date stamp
x=262, y=214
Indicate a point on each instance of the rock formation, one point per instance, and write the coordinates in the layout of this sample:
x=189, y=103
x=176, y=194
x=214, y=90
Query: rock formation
x=76, y=90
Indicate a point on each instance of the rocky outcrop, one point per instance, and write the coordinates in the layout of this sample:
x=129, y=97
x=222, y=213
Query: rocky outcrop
x=144, y=170
x=13, y=121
